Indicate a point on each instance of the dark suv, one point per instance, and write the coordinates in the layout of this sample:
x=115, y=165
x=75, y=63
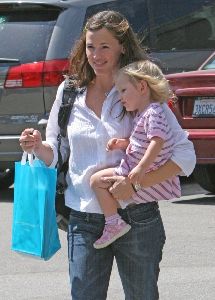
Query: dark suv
x=35, y=41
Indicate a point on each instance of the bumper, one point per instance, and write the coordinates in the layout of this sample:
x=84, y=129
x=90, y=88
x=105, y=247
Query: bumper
x=204, y=144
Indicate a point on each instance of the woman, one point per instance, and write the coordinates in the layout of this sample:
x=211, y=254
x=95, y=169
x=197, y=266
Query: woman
x=107, y=43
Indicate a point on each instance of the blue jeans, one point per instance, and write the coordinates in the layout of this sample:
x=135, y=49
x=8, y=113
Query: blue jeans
x=137, y=253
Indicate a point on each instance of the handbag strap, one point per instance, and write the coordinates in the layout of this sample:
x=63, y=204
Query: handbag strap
x=69, y=94
x=68, y=99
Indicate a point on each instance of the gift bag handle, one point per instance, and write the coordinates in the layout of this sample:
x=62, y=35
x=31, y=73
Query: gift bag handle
x=27, y=156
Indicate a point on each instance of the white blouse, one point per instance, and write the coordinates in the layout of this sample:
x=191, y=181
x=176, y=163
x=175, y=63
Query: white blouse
x=87, y=136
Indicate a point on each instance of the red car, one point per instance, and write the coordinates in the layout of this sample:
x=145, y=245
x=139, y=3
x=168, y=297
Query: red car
x=194, y=107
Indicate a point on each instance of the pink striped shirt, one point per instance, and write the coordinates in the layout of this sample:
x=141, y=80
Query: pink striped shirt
x=150, y=123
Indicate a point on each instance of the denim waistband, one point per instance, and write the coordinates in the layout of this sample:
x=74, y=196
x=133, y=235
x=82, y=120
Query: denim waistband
x=129, y=209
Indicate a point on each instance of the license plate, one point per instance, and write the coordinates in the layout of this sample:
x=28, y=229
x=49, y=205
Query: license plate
x=204, y=107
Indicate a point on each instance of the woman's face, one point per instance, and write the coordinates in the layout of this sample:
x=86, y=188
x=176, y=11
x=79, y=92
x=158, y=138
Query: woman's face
x=103, y=51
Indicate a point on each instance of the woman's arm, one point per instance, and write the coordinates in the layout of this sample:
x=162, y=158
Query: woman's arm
x=47, y=151
x=122, y=187
x=31, y=141
x=166, y=171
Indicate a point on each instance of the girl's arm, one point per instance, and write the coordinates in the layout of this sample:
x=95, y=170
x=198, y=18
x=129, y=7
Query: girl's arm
x=136, y=175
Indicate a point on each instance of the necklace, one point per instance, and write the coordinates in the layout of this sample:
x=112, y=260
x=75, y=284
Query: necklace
x=104, y=93
x=108, y=92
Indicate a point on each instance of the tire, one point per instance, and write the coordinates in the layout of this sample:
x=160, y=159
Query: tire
x=6, y=178
x=205, y=177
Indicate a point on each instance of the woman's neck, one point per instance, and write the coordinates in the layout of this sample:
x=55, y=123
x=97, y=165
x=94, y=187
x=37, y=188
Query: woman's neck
x=103, y=85
x=97, y=92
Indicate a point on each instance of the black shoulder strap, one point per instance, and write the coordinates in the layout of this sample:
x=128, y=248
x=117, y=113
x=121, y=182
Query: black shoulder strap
x=68, y=99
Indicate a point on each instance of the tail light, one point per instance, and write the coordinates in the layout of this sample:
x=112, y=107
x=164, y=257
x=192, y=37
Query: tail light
x=172, y=102
x=36, y=74
x=53, y=72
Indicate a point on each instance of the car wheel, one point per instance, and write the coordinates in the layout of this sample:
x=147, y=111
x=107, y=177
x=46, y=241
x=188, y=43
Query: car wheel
x=6, y=178
x=204, y=176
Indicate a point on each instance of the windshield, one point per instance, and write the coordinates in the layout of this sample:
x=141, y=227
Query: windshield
x=210, y=64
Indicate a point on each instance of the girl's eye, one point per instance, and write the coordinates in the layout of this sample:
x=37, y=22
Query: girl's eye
x=89, y=47
x=123, y=90
x=105, y=47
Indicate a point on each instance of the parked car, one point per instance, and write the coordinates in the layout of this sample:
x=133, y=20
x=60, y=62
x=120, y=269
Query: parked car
x=194, y=107
x=37, y=36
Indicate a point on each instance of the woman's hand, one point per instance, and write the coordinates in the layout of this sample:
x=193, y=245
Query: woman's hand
x=30, y=140
x=121, y=189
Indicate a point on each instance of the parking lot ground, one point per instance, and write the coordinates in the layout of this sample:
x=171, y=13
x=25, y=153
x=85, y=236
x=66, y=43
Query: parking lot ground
x=187, y=268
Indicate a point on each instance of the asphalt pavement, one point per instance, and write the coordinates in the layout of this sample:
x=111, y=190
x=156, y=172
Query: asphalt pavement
x=187, y=268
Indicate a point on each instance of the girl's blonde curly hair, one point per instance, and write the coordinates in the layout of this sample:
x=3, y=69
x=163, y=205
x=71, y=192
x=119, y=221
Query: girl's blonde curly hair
x=148, y=71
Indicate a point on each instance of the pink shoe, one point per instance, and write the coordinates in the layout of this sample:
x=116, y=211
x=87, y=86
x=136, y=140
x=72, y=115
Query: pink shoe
x=111, y=233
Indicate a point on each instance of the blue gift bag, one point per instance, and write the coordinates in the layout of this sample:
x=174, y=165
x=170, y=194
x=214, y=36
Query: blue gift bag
x=34, y=229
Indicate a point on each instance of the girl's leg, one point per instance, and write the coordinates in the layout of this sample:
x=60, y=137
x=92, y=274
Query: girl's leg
x=89, y=268
x=139, y=252
x=108, y=204
x=115, y=226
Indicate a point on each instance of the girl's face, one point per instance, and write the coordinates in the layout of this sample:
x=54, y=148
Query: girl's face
x=133, y=96
x=103, y=51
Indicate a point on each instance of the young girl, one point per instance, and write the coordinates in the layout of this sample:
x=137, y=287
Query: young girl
x=143, y=89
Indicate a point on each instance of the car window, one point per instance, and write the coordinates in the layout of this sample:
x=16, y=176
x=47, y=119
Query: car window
x=180, y=25
x=31, y=26
x=134, y=10
x=210, y=64
x=169, y=25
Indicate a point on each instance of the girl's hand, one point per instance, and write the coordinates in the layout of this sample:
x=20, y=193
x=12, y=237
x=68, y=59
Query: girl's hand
x=137, y=175
x=120, y=144
x=112, y=144
x=30, y=140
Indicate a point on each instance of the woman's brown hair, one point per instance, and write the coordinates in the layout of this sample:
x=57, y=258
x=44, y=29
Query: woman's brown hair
x=117, y=24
